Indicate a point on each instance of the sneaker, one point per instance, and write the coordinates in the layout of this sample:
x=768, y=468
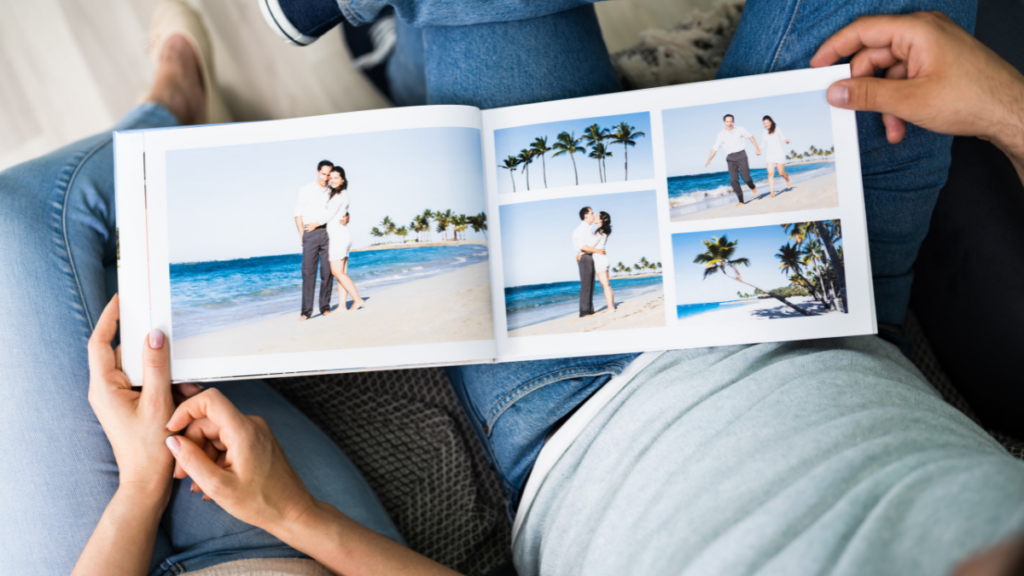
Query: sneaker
x=301, y=22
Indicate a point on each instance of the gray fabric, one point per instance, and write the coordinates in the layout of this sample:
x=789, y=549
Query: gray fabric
x=830, y=456
x=739, y=166
x=586, y=266
x=406, y=433
x=315, y=245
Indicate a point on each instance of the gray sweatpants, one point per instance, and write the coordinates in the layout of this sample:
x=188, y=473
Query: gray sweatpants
x=737, y=163
x=586, y=265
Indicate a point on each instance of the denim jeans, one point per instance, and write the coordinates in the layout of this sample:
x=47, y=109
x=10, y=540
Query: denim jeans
x=514, y=406
x=57, y=272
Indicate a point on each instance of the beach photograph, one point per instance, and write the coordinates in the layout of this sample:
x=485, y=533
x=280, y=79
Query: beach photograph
x=330, y=243
x=762, y=273
x=574, y=153
x=756, y=156
x=582, y=264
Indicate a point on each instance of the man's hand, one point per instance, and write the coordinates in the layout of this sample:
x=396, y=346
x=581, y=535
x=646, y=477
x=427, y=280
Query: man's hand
x=235, y=460
x=579, y=256
x=937, y=76
x=344, y=220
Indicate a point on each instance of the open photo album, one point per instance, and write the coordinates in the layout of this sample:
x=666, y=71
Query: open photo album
x=722, y=212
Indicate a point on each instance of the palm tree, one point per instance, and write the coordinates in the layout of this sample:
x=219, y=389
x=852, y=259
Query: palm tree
x=718, y=257
x=402, y=233
x=376, y=233
x=594, y=135
x=427, y=216
x=828, y=235
x=388, y=226
x=526, y=158
x=790, y=257
x=569, y=144
x=460, y=223
x=479, y=223
x=510, y=164
x=540, y=148
x=599, y=153
x=625, y=135
x=444, y=221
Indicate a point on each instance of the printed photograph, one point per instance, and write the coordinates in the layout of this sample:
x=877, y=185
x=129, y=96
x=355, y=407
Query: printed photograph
x=574, y=153
x=328, y=243
x=582, y=264
x=758, y=156
x=763, y=273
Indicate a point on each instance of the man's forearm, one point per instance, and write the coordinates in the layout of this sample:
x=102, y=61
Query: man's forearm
x=346, y=547
x=298, y=224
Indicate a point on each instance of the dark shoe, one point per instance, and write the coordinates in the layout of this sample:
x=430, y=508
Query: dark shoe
x=301, y=22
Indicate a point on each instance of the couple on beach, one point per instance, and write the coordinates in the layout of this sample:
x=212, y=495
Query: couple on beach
x=733, y=138
x=321, y=216
x=592, y=258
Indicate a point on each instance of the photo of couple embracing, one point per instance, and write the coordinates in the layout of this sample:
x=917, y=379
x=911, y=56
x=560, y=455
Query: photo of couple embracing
x=322, y=217
x=550, y=290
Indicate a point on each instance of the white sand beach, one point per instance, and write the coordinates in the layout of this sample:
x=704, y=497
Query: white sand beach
x=439, y=244
x=645, y=310
x=820, y=191
x=764, y=309
x=451, y=307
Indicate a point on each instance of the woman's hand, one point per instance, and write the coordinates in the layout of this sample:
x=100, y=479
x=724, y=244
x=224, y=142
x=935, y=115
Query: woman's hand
x=236, y=461
x=132, y=420
x=311, y=227
x=937, y=76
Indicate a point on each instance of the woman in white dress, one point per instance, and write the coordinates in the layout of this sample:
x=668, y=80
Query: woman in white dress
x=340, y=238
x=599, y=240
x=771, y=141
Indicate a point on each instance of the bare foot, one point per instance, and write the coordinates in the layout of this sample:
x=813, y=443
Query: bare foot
x=178, y=85
x=357, y=304
x=738, y=204
x=303, y=317
x=326, y=313
x=773, y=195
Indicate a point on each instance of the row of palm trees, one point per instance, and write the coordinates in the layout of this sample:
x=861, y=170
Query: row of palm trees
x=811, y=153
x=568, y=144
x=811, y=260
x=644, y=266
x=420, y=225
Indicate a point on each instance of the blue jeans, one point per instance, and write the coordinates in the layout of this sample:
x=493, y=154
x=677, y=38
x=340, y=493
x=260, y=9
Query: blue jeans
x=514, y=406
x=57, y=271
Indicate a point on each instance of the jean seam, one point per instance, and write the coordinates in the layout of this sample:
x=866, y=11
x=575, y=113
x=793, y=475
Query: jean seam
x=64, y=228
x=782, y=44
x=346, y=10
x=539, y=382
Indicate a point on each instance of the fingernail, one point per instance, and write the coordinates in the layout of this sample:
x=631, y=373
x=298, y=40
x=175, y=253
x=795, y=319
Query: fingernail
x=156, y=339
x=173, y=444
x=839, y=95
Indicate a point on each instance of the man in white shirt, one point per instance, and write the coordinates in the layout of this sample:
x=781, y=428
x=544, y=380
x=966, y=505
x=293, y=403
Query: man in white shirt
x=311, y=221
x=585, y=260
x=736, y=155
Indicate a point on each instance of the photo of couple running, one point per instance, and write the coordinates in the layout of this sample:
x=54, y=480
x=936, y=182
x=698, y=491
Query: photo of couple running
x=592, y=258
x=733, y=138
x=322, y=217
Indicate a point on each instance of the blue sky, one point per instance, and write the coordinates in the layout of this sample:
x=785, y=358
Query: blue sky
x=805, y=119
x=536, y=237
x=238, y=201
x=510, y=141
x=759, y=245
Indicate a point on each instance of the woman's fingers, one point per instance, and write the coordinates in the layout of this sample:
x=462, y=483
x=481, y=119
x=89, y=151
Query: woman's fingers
x=214, y=405
x=198, y=465
x=156, y=371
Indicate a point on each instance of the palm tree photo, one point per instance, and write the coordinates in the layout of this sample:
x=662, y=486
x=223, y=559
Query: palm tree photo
x=568, y=144
x=540, y=148
x=626, y=135
x=719, y=256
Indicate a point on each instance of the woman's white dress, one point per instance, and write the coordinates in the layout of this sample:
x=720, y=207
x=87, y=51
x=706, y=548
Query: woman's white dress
x=598, y=241
x=338, y=234
x=773, y=145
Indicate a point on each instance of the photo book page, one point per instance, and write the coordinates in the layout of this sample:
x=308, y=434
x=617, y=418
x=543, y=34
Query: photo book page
x=390, y=266
x=722, y=212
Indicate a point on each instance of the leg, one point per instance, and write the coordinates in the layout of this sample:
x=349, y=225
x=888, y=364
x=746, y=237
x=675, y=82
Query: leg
x=343, y=291
x=586, y=268
x=734, y=177
x=309, y=253
x=326, y=280
x=744, y=165
x=901, y=182
x=782, y=172
x=771, y=178
x=57, y=248
x=336, y=271
x=609, y=295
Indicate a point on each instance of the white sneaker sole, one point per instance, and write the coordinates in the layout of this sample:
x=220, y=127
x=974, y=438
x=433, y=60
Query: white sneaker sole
x=272, y=13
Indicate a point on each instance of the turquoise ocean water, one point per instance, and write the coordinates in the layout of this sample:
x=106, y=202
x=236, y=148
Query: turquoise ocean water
x=535, y=303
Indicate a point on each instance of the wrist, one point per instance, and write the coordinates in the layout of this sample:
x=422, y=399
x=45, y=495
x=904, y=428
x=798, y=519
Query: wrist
x=290, y=525
x=146, y=494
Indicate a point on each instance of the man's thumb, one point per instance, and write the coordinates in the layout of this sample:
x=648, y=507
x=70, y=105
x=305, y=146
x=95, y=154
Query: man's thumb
x=197, y=465
x=870, y=94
